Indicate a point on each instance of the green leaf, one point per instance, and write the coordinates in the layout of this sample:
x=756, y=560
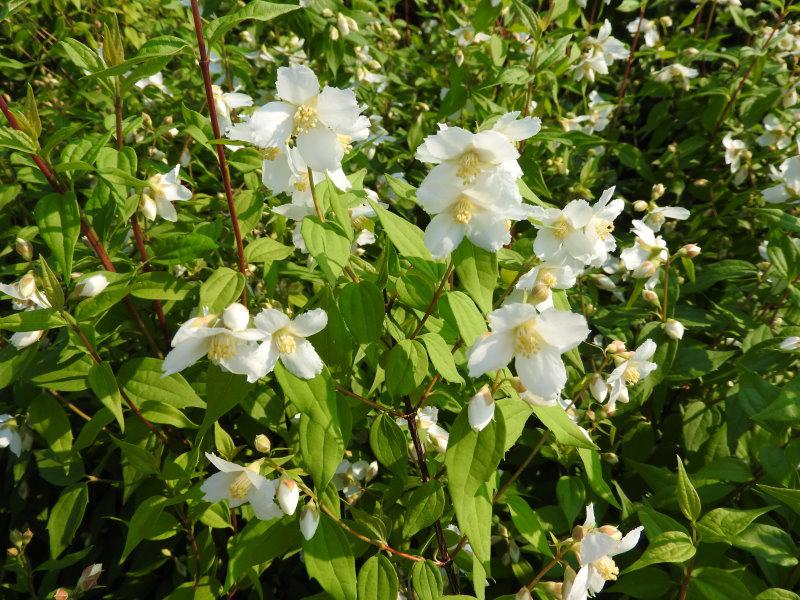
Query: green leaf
x=224, y=287
x=562, y=427
x=406, y=368
x=688, y=499
x=59, y=219
x=427, y=581
x=66, y=517
x=571, y=495
x=260, y=542
x=711, y=583
x=362, y=309
x=266, y=250
x=32, y=320
x=477, y=271
x=790, y=498
x=425, y=506
x=456, y=308
x=328, y=245
x=143, y=523
x=528, y=524
x=724, y=524
x=51, y=286
x=441, y=356
x=47, y=418
x=224, y=390
x=103, y=383
x=258, y=11
x=330, y=561
x=389, y=444
x=594, y=473
x=772, y=544
x=16, y=140
x=158, y=285
x=377, y=579
x=175, y=248
x=143, y=380
x=406, y=237
x=669, y=547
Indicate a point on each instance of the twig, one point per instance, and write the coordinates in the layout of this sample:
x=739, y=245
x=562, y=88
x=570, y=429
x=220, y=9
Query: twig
x=317, y=207
x=629, y=64
x=543, y=572
x=367, y=401
x=436, y=295
x=223, y=165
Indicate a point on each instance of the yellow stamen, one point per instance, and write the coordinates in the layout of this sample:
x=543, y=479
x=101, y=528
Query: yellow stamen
x=286, y=343
x=469, y=166
x=631, y=375
x=603, y=228
x=528, y=341
x=223, y=346
x=561, y=228
x=305, y=118
x=240, y=486
x=462, y=210
x=548, y=279
x=606, y=568
x=271, y=153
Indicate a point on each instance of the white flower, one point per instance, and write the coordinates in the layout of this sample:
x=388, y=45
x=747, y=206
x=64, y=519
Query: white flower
x=323, y=123
x=241, y=485
x=91, y=286
x=480, y=409
x=547, y=276
x=601, y=110
x=480, y=211
x=734, y=151
x=775, y=134
x=226, y=103
x=657, y=216
x=162, y=190
x=435, y=435
x=227, y=341
x=789, y=177
x=9, y=436
x=25, y=296
x=646, y=249
x=597, y=547
x=350, y=478
x=598, y=387
x=288, y=495
x=309, y=520
x=534, y=340
x=677, y=71
x=591, y=62
x=607, y=45
x=156, y=80
x=285, y=339
x=649, y=29
x=674, y=329
x=515, y=129
x=631, y=368
x=23, y=339
x=790, y=343
x=599, y=229
x=466, y=35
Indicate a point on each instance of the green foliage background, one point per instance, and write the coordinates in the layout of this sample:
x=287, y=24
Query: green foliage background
x=98, y=486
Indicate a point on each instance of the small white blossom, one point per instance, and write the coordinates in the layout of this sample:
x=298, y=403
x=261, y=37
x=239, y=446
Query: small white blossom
x=788, y=174
x=648, y=250
x=91, y=286
x=285, y=340
x=631, y=368
x=241, y=485
x=435, y=435
x=677, y=71
x=350, y=478
x=545, y=277
x=9, y=436
x=735, y=150
x=480, y=409
x=466, y=35
x=790, y=343
x=156, y=80
x=162, y=190
x=226, y=103
x=657, y=216
x=648, y=29
x=775, y=134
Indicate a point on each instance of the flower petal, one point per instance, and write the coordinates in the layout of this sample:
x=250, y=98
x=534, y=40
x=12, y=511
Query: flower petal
x=185, y=354
x=297, y=84
x=310, y=323
x=304, y=361
x=543, y=373
x=492, y=352
x=443, y=235
x=321, y=149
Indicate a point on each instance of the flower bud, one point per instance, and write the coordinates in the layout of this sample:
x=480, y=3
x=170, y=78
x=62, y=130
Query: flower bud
x=553, y=588
x=352, y=23
x=691, y=52
x=540, y=293
x=790, y=343
x=598, y=387
x=23, y=339
x=27, y=285
x=371, y=472
x=645, y=270
x=342, y=24
x=147, y=120
x=611, y=459
x=309, y=520
x=702, y=182
x=24, y=248
x=288, y=495
x=616, y=347
x=12, y=552
x=262, y=444
x=91, y=286
x=657, y=191
x=604, y=282
x=148, y=207
x=666, y=21
x=481, y=409
x=327, y=13
x=89, y=577
x=674, y=329
x=236, y=317
x=61, y=594
x=334, y=34
x=523, y=594
x=173, y=132
x=651, y=297
x=459, y=57
x=691, y=250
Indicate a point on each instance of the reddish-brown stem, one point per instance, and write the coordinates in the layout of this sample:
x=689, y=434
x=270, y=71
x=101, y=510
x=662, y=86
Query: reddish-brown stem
x=86, y=229
x=419, y=449
x=436, y=295
x=629, y=64
x=368, y=402
x=542, y=573
x=212, y=113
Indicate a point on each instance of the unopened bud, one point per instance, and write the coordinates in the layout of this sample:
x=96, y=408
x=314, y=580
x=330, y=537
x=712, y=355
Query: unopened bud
x=553, y=588
x=616, y=347
x=604, y=282
x=459, y=57
x=674, y=329
x=523, y=594
x=691, y=52
x=173, y=132
x=288, y=495
x=327, y=13
x=27, y=285
x=598, y=387
x=764, y=265
x=147, y=120
x=481, y=409
x=89, y=577
x=640, y=206
x=334, y=34
x=12, y=552
x=540, y=293
x=651, y=297
x=309, y=520
x=91, y=286
x=691, y=250
x=61, y=594
x=610, y=458
x=24, y=248
x=645, y=270
x=371, y=472
x=262, y=444
x=342, y=24
x=701, y=182
x=657, y=191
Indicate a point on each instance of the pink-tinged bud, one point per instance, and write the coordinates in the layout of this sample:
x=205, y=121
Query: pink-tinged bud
x=616, y=347
x=24, y=248
x=640, y=206
x=674, y=329
x=288, y=495
x=651, y=297
x=262, y=444
x=309, y=520
x=691, y=250
x=523, y=594
x=89, y=577
x=61, y=594
x=481, y=409
x=645, y=270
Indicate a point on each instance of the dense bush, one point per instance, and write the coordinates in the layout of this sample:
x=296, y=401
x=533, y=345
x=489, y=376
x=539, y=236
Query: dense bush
x=379, y=300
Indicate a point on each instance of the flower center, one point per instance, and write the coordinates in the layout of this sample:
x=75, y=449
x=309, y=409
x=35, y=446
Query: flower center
x=360, y=223
x=240, y=486
x=606, y=568
x=301, y=185
x=345, y=140
x=271, y=153
x=548, y=279
x=156, y=189
x=631, y=374
x=603, y=228
x=469, y=166
x=223, y=346
x=305, y=118
x=462, y=210
x=528, y=341
x=561, y=228
x=286, y=343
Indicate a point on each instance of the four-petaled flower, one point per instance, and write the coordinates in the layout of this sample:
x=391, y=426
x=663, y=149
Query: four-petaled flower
x=241, y=485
